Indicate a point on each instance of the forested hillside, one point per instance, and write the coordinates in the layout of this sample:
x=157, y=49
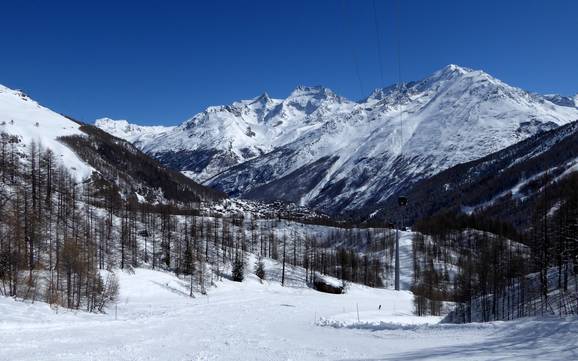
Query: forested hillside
x=504, y=186
x=501, y=273
x=62, y=239
x=121, y=164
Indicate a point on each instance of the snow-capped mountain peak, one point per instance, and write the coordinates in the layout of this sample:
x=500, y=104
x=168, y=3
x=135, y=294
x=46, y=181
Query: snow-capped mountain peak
x=263, y=99
x=319, y=149
x=454, y=69
x=137, y=134
x=315, y=93
x=312, y=91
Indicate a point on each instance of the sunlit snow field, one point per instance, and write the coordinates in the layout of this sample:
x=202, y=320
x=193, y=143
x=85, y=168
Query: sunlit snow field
x=157, y=320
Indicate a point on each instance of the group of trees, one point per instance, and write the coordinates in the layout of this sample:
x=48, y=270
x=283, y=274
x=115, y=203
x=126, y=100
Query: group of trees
x=500, y=273
x=209, y=247
x=554, y=242
x=61, y=237
x=48, y=241
x=465, y=265
x=457, y=263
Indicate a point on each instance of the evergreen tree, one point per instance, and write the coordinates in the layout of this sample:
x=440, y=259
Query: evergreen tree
x=260, y=269
x=238, y=268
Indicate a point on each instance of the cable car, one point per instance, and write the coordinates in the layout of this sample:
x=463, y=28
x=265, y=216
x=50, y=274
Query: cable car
x=402, y=201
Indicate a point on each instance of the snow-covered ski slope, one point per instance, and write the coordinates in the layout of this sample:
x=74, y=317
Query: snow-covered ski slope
x=157, y=320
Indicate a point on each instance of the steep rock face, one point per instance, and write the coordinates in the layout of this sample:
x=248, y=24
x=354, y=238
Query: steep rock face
x=322, y=150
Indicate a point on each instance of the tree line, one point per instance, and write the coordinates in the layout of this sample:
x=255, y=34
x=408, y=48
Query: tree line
x=48, y=242
x=61, y=238
x=501, y=273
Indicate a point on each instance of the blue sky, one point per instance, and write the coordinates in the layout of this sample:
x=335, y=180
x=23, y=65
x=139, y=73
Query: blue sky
x=160, y=62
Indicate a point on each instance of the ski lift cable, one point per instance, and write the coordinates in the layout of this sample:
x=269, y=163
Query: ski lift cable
x=378, y=39
x=353, y=53
x=399, y=81
x=402, y=200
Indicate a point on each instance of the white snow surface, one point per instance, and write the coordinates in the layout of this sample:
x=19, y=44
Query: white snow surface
x=157, y=320
x=23, y=117
x=136, y=134
x=396, y=135
x=406, y=259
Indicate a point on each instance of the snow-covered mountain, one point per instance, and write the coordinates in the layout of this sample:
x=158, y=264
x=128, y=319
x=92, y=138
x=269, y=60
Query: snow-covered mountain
x=136, y=134
x=24, y=118
x=566, y=101
x=318, y=149
x=89, y=152
x=224, y=136
x=506, y=185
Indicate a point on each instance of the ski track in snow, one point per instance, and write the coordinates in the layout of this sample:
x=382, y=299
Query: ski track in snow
x=253, y=321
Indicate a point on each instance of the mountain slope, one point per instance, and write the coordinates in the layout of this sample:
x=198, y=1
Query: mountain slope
x=136, y=134
x=24, y=118
x=132, y=172
x=347, y=155
x=504, y=185
x=89, y=152
x=224, y=136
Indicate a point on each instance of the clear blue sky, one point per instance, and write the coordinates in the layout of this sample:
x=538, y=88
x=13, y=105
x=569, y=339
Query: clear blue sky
x=160, y=62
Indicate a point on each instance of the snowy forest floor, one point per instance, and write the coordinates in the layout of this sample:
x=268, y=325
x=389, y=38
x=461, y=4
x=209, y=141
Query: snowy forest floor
x=157, y=320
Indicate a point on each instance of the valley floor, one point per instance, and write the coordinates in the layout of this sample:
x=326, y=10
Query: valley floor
x=156, y=320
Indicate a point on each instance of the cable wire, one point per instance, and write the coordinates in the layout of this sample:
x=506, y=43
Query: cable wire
x=353, y=54
x=400, y=84
x=378, y=39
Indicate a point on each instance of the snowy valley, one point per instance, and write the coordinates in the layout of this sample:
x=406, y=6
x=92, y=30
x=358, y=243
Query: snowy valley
x=353, y=180
x=107, y=253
